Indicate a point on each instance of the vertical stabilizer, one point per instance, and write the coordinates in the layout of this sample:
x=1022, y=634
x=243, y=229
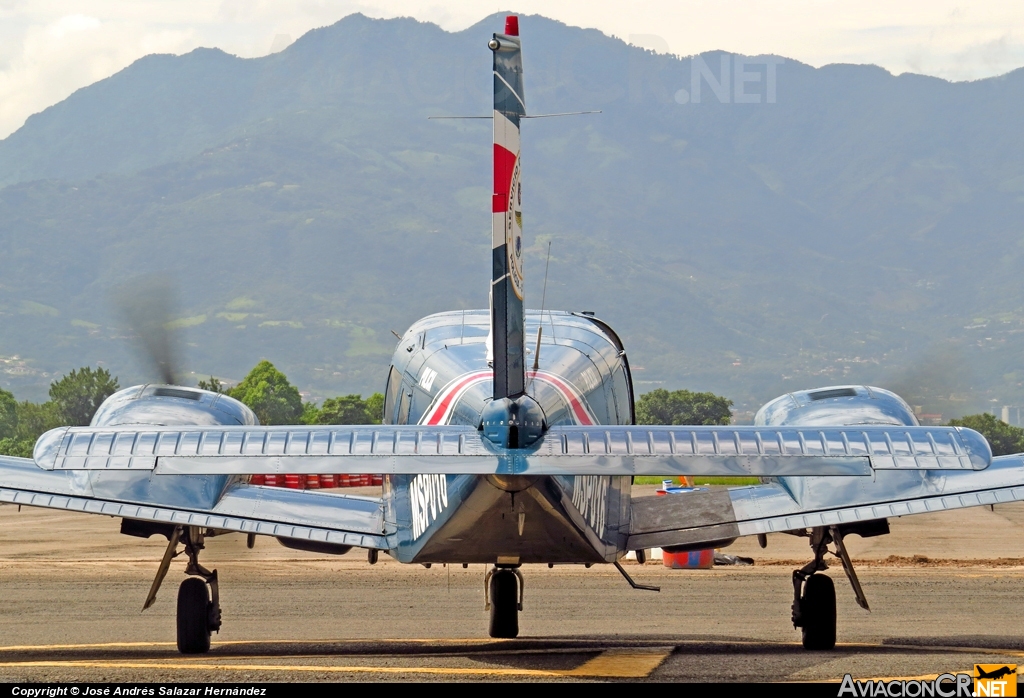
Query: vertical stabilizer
x=507, y=218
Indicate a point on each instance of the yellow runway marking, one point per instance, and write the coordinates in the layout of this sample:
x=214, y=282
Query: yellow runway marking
x=225, y=643
x=621, y=664
x=298, y=668
x=608, y=664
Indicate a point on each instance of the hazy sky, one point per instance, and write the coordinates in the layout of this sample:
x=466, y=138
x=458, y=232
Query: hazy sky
x=50, y=48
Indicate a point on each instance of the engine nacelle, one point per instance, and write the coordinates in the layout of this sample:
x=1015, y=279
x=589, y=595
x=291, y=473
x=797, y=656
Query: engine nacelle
x=171, y=405
x=839, y=405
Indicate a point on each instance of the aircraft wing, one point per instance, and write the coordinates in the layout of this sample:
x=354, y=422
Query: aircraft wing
x=273, y=511
x=564, y=450
x=706, y=517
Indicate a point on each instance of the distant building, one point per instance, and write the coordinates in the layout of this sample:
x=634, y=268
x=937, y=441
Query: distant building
x=927, y=419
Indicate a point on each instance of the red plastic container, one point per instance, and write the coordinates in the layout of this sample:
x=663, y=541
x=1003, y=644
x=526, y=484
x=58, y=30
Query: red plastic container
x=690, y=560
x=273, y=480
x=328, y=481
x=378, y=480
x=294, y=482
x=257, y=479
x=312, y=482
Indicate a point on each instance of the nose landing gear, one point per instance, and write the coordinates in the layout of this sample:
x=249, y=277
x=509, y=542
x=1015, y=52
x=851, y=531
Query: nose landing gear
x=503, y=601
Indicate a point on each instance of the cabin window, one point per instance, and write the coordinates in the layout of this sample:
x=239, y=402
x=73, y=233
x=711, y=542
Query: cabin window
x=394, y=389
x=623, y=394
x=403, y=408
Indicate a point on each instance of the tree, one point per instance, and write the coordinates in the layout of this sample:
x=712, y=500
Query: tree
x=213, y=385
x=80, y=393
x=268, y=393
x=1003, y=438
x=16, y=448
x=8, y=415
x=34, y=419
x=30, y=421
x=310, y=413
x=682, y=407
x=375, y=408
x=350, y=409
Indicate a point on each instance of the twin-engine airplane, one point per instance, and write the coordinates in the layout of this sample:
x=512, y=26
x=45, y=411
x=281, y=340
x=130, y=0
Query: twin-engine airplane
x=491, y=455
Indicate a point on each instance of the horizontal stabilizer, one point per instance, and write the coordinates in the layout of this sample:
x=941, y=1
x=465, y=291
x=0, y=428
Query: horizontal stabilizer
x=597, y=450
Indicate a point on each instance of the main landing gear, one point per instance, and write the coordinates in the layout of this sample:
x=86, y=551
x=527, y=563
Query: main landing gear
x=199, y=612
x=814, y=595
x=503, y=595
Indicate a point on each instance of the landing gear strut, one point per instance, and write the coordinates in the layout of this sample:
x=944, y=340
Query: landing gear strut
x=814, y=595
x=198, y=596
x=504, y=600
x=198, y=599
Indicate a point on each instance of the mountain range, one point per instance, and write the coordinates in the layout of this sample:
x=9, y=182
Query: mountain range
x=748, y=224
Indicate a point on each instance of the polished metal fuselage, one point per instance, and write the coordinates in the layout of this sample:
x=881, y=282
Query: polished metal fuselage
x=440, y=375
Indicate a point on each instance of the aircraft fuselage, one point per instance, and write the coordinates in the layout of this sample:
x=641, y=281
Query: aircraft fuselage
x=440, y=374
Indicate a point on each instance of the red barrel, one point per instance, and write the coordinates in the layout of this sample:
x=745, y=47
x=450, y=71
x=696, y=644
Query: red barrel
x=312, y=481
x=294, y=482
x=378, y=480
x=273, y=480
x=257, y=479
x=328, y=481
x=689, y=560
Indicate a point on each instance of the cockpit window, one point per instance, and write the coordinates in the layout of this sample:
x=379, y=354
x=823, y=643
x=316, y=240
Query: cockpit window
x=177, y=392
x=835, y=392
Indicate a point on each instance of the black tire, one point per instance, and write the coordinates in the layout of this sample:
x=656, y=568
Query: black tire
x=193, y=617
x=504, y=604
x=818, y=613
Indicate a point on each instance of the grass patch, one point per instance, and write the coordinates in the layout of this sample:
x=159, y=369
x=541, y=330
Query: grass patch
x=242, y=302
x=186, y=322
x=734, y=481
x=362, y=341
x=33, y=308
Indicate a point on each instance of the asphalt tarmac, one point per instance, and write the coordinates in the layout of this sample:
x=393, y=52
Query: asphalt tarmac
x=943, y=588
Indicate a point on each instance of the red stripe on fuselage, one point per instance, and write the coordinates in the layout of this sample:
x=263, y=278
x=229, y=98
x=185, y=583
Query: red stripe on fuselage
x=453, y=392
x=504, y=166
x=567, y=392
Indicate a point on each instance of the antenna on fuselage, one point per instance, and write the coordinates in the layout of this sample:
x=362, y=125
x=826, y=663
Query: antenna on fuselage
x=543, y=300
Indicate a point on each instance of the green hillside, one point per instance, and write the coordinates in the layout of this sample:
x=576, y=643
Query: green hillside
x=861, y=227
